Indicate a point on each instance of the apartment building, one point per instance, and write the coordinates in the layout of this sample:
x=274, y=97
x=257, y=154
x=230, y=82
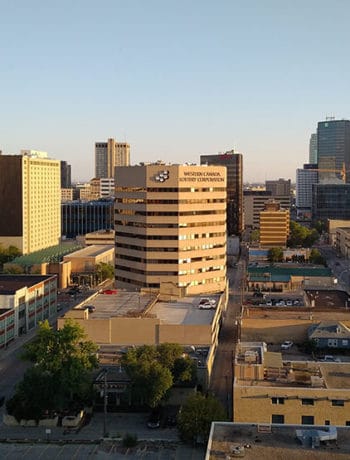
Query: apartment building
x=30, y=198
x=254, y=202
x=170, y=226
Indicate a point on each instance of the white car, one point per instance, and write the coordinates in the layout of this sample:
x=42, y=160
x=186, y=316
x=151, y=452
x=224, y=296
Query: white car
x=206, y=306
x=330, y=359
x=286, y=345
x=206, y=300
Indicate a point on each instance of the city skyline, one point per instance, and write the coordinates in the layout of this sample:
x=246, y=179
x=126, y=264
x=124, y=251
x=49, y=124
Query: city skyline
x=173, y=80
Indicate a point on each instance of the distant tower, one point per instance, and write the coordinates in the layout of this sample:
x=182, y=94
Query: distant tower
x=333, y=140
x=234, y=165
x=66, y=178
x=110, y=154
x=313, y=149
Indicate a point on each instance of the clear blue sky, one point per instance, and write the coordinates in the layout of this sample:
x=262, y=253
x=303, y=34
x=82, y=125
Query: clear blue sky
x=174, y=78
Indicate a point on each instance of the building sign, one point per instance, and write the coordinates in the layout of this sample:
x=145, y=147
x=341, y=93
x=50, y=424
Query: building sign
x=201, y=176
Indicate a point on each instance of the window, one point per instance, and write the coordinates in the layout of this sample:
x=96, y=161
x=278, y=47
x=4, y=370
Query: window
x=307, y=419
x=347, y=423
x=337, y=402
x=307, y=402
x=327, y=422
x=277, y=418
x=277, y=400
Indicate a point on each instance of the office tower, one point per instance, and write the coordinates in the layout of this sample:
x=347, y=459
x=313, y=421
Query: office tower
x=313, y=149
x=279, y=187
x=79, y=218
x=170, y=226
x=66, y=177
x=274, y=225
x=330, y=201
x=254, y=202
x=30, y=198
x=234, y=164
x=306, y=177
x=110, y=154
x=333, y=140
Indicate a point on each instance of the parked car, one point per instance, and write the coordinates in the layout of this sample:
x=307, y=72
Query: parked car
x=206, y=300
x=206, y=306
x=289, y=303
x=154, y=418
x=330, y=359
x=269, y=303
x=286, y=345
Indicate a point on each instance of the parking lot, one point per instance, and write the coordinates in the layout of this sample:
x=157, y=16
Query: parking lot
x=275, y=300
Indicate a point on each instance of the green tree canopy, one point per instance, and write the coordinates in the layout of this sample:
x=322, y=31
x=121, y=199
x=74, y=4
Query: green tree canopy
x=8, y=254
x=275, y=255
x=61, y=376
x=106, y=270
x=315, y=257
x=196, y=416
x=301, y=235
x=154, y=369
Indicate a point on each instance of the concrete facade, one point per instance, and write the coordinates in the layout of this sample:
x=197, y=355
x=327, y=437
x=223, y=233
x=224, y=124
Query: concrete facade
x=170, y=227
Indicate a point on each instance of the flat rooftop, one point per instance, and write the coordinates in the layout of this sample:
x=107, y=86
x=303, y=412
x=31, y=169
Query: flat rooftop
x=130, y=304
x=120, y=303
x=90, y=251
x=9, y=284
x=280, y=443
x=184, y=311
x=52, y=254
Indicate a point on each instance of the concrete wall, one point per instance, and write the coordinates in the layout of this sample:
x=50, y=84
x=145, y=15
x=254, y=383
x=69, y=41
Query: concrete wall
x=185, y=334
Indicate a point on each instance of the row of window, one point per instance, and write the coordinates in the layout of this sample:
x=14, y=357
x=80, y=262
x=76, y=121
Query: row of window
x=148, y=201
x=305, y=420
x=171, y=237
x=170, y=189
x=162, y=273
x=182, y=249
x=175, y=225
x=170, y=261
x=308, y=401
x=130, y=212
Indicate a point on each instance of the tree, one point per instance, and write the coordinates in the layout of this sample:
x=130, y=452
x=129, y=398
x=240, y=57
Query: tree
x=154, y=369
x=275, y=255
x=105, y=270
x=301, y=236
x=254, y=236
x=315, y=257
x=61, y=376
x=196, y=416
x=8, y=254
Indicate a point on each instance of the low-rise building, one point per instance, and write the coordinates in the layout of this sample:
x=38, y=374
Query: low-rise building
x=270, y=390
x=328, y=334
x=24, y=301
x=342, y=241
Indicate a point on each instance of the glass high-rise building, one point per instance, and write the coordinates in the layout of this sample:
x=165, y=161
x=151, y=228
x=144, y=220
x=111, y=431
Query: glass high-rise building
x=313, y=149
x=234, y=165
x=330, y=201
x=333, y=140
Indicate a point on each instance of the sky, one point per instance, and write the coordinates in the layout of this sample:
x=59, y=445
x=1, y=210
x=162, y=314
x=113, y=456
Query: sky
x=173, y=78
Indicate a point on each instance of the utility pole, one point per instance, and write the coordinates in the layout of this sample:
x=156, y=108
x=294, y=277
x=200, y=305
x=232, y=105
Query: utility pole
x=105, y=397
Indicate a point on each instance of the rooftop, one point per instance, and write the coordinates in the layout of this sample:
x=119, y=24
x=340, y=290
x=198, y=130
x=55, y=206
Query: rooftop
x=9, y=284
x=276, y=441
x=90, y=251
x=290, y=270
x=184, y=311
x=51, y=254
x=131, y=304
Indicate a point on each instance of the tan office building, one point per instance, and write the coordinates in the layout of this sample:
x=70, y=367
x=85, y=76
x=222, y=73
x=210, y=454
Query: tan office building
x=270, y=390
x=274, y=225
x=110, y=154
x=30, y=202
x=170, y=224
